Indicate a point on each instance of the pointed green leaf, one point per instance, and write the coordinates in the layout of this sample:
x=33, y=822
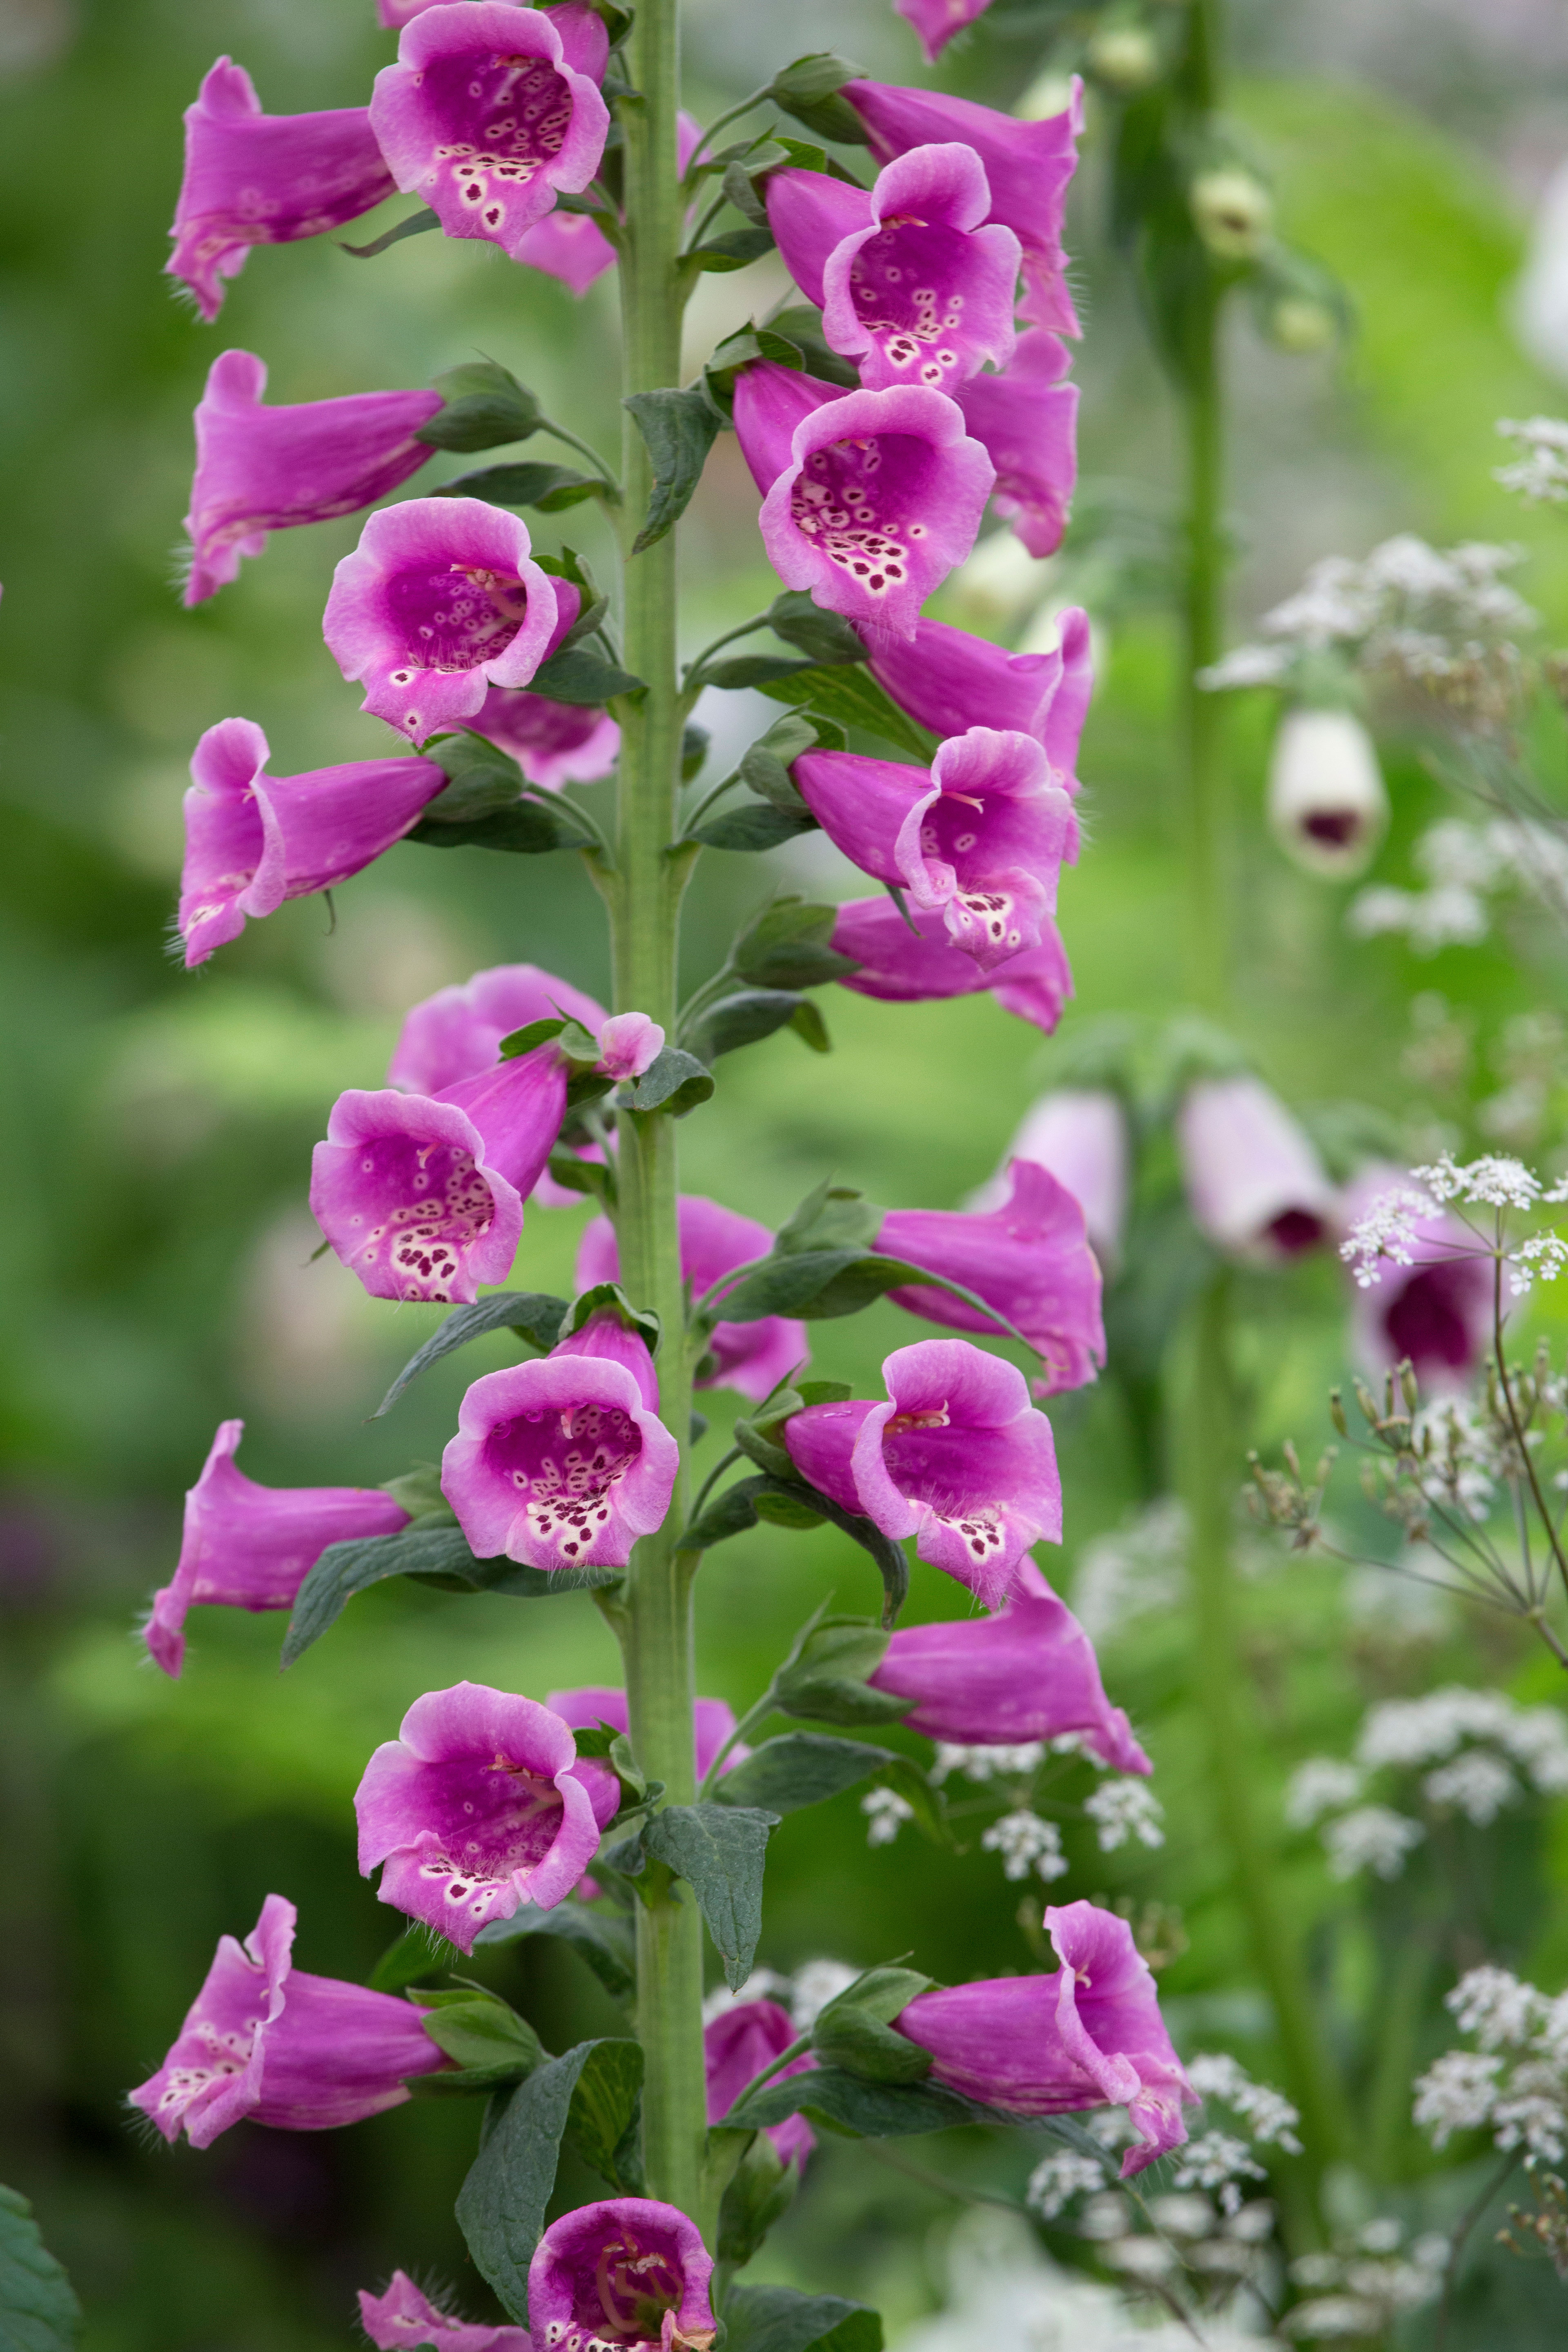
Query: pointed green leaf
x=603, y=1944
x=740, y=1019
x=678, y=428
x=719, y=1850
x=781, y=2319
x=38, y=2309
x=438, y=1553
x=673, y=1081
x=534, y=1314
x=799, y=1768
x=501, y=2204
x=417, y=225
x=731, y=250
x=791, y=1503
x=754, y=825
x=579, y=675
x=854, y=699
x=808, y=89
x=826, y=639
x=416, y=1956
x=863, y=2110
x=549, y=488
x=603, y=2118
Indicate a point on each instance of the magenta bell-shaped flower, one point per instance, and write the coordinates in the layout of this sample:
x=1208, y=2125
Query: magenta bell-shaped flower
x=627, y=2275
x=934, y=22
x=714, y=1242
x=457, y=1032
x=1027, y=419
x=477, y=1805
x=492, y=110
x=958, y=1458
x=981, y=838
x=602, y=1703
x=1028, y=167
x=553, y=743
x=253, y=840
x=1030, y=1259
x=911, y=967
x=1029, y=1673
x=1437, y=1310
x=1255, y=1185
x=571, y=246
x=1080, y=1135
x=403, y=2319
x=1090, y=2035
x=952, y=681
x=564, y=1462
x=299, y=2053
x=264, y=179
x=441, y=599
x=261, y=469
x=911, y=283
x=250, y=1547
x=737, y=2044
x=870, y=498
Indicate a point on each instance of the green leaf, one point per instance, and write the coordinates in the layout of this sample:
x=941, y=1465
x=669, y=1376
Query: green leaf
x=438, y=1552
x=825, y=1682
x=549, y=488
x=808, y=89
x=749, y=669
x=413, y=1958
x=418, y=1492
x=740, y=1019
x=603, y=1944
x=38, y=2309
x=741, y=192
x=501, y=2204
x=731, y=250
x=673, y=1081
x=856, y=2031
x=720, y=1851
x=781, y=2319
x=741, y=350
x=808, y=1024
x=826, y=638
x=754, y=826
x=576, y=674
x=799, y=1768
x=417, y=225
x=593, y=604
x=928, y=1805
x=804, y=328
x=863, y=2110
x=678, y=428
x=832, y=1217
x=590, y=1176
x=694, y=747
x=478, y=2030
x=608, y=1296
x=854, y=699
x=534, y=1314
x=483, y=805
x=760, y=2192
x=788, y=945
x=602, y=2122
x=791, y=1503
x=485, y=405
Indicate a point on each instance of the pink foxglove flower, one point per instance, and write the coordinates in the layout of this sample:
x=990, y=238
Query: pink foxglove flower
x=250, y=1547
x=477, y=1805
x=911, y=283
x=958, y=1458
x=1030, y=1259
x=261, y=469
x=1078, y=1134
x=1255, y=1185
x=299, y=2053
x=628, y=2274
x=602, y=1703
x=1029, y=1673
x=457, y=1032
x=253, y=840
x=715, y=1240
x=738, y=2042
x=934, y=22
x=571, y=246
x=870, y=498
x=980, y=839
x=564, y=1462
x=441, y=600
x=403, y=2319
x=1029, y=168
x=1437, y=1310
x=1027, y=421
x=264, y=179
x=950, y=681
x=911, y=967
x=1090, y=2035
x=553, y=743
x=491, y=111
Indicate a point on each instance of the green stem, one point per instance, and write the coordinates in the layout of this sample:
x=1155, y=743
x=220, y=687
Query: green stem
x=644, y=897
x=583, y=450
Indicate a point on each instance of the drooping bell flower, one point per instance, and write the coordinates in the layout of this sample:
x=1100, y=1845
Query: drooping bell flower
x=934, y=22
x=251, y=1547
x=1255, y=1185
x=441, y=600
x=870, y=498
x=1030, y=1259
x=261, y=469
x=627, y=2276
x=736, y=2045
x=1089, y=2035
x=980, y=839
x=253, y=840
x=564, y=1462
x=1028, y=167
x=958, y=1458
x=299, y=2053
x=553, y=743
x=715, y=1240
x=477, y=1805
x=602, y=1703
x=951, y=681
x=1438, y=1309
x=913, y=285
x=264, y=179
x=1027, y=420
x=1029, y=1673
x=1080, y=1135
x=1326, y=803
x=457, y=1032
x=902, y=966
x=403, y=2318
x=491, y=111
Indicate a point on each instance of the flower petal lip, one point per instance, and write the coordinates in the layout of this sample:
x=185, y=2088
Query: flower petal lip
x=358, y=1119
x=490, y=1508
x=934, y=22
x=246, y=1545
x=383, y=612
x=487, y=173
x=928, y=211
x=634, y=2251
x=913, y=966
x=1027, y=423
x=264, y=179
x=402, y=2316
x=261, y=469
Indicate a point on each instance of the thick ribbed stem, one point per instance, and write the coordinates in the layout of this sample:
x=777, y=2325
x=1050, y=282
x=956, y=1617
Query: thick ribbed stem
x=644, y=896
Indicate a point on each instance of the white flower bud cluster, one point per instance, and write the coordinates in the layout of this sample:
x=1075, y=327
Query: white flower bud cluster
x=1123, y=1808
x=983, y=1764
x=1057, y=2178
x=1516, y=2084
x=1027, y=1842
x=1365, y=2283
x=885, y=1813
x=1460, y=864
x=1270, y=2117
x=1540, y=474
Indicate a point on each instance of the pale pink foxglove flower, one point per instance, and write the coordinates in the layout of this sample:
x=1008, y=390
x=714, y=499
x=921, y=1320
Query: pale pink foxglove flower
x=1078, y=1134
x=403, y=2319
x=1326, y=803
x=1255, y=1185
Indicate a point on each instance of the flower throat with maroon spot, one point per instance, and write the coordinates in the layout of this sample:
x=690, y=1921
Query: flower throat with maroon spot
x=456, y=619
x=568, y=1466
x=832, y=504
x=504, y=121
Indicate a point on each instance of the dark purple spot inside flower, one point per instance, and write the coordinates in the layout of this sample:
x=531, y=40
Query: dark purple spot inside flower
x=1336, y=828
x=860, y=503
x=901, y=281
x=491, y=1815
x=498, y=121
x=565, y=1467
x=422, y=1205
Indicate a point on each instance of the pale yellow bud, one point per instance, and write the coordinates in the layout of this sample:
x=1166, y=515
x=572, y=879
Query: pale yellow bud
x=1234, y=213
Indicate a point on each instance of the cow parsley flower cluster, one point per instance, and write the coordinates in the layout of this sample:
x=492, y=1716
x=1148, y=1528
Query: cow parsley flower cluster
x=1541, y=473
x=1027, y=1842
x=1125, y=1808
x=1367, y=2283
x=1514, y=2084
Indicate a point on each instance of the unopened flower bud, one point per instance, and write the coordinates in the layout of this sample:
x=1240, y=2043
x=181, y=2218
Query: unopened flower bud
x=1123, y=56
x=1337, y=1412
x=1327, y=805
x=1298, y=323
x=1410, y=1388
x=1234, y=213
